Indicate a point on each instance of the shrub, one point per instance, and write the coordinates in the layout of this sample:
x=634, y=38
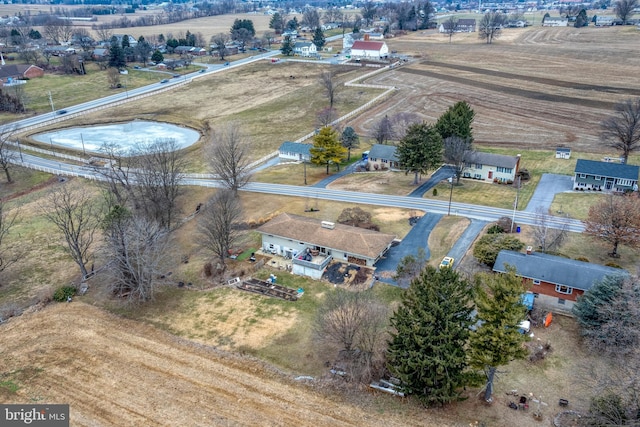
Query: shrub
x=64, y=293
x=487, y=248
x=612, y=264
x=208, y=269
x=583, y=259
x=435, y=192
x=495, y=229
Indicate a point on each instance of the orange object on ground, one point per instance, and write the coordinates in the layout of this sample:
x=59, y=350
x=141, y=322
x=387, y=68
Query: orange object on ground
x=547, y=320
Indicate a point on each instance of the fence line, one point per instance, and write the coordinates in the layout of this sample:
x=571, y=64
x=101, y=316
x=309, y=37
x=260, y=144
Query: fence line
x=47, y=152
x=64, y=117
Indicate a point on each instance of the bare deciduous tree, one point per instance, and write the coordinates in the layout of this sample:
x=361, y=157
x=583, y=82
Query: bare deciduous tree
x=456, y=152
x=383, y=130
x=8, y=253
x=330, y=86
x=401, y=122
x=450, y=26
x=219, y=223
x=624, y=9
x=75, y=214
x=229, y=152
x=162, y=165
x=137, y=249
x=220, y=40
x=118, y=175
x=352, y=326
x=113, y=77
x=622, y=131
x=326, y=116
x=615, y=220
x=490, y=26
x=104, y=33
x=8, y=154
x=549, y=232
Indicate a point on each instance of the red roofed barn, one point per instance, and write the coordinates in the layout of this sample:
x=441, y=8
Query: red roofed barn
x=369, y=49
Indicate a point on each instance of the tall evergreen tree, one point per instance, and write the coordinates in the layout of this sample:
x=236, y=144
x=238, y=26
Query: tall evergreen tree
x=116, y=54
x=497, y=340
x=420, y=149
x=287, y=46
x=456, y=121
x=318, y=39
x=427, y=351
x=327, y=148
x=277, y=23
x=349, y=139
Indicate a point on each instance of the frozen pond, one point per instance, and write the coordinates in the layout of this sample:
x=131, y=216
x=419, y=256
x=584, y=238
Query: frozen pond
x=126, y=135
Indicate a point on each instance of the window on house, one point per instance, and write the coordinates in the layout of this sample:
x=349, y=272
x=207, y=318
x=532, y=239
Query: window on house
x=478, y=165
x=536, y=281
x=624, y=182
x=598, y=177
x=583, y=175
x=561, y=301
x=504, y=170
x=562, y=289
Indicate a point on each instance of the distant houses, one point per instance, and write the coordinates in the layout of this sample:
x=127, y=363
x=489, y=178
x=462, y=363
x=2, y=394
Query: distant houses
x=555, y=22
x=295, y=151
x=305, y=48
x=461, y=26
x=8, y=73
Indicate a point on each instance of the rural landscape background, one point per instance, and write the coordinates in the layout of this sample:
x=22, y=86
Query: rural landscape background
x=230, y=358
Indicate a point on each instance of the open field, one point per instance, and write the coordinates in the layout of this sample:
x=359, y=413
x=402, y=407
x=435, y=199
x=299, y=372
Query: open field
x=105, y=365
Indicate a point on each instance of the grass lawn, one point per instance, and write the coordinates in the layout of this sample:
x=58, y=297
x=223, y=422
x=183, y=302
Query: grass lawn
x=444, y=235
x=576, y=205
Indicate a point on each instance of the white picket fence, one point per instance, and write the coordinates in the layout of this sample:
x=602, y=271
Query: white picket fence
x=353, y=83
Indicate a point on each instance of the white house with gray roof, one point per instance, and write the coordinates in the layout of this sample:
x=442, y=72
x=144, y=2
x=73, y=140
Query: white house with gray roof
x=605, y=176
x=490, y=167
x=556, y=281
x=382, y=157
x=295, y=151
x=306, y=49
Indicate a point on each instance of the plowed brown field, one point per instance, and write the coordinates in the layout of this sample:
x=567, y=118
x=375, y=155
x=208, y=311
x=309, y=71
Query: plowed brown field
x=122, y=373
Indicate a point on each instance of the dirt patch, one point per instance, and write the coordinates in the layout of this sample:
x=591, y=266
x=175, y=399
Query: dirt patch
x=231, y=320
x=348, y=276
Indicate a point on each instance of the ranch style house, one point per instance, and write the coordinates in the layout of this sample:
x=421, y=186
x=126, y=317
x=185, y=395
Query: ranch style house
x=312, y=244
x=605, y=176
x=295, y=151
x=555, y=281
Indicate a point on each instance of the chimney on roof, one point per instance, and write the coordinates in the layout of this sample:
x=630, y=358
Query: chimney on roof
x=529, y=250
x=366, y=36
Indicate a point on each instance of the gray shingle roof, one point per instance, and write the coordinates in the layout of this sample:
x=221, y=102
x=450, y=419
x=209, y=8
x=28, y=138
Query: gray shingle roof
x=612, y=170
x=491, y=159
x=294, y=147
x=555, y=269
x=381, y=151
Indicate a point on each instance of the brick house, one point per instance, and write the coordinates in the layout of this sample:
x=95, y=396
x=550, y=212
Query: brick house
x=605, y=176
x=557, y=282
x=20, y=71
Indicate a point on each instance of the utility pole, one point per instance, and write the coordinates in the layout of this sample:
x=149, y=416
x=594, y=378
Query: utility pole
x=515, y=204
x=53, y=110
x=450, y=196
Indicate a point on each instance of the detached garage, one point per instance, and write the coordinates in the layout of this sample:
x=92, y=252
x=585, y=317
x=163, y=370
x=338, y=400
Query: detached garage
x=369, y=49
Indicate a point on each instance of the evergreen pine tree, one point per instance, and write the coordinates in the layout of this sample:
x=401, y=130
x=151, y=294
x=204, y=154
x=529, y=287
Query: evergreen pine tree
x=420, y=149
x=497, y=340
x=456, y=121
x=318, y=39
x=427, y=351
x=287, y=46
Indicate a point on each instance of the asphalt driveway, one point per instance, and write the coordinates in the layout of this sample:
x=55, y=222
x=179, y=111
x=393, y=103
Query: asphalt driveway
x=549, y=185
x=464, y=242
x=418, y=237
